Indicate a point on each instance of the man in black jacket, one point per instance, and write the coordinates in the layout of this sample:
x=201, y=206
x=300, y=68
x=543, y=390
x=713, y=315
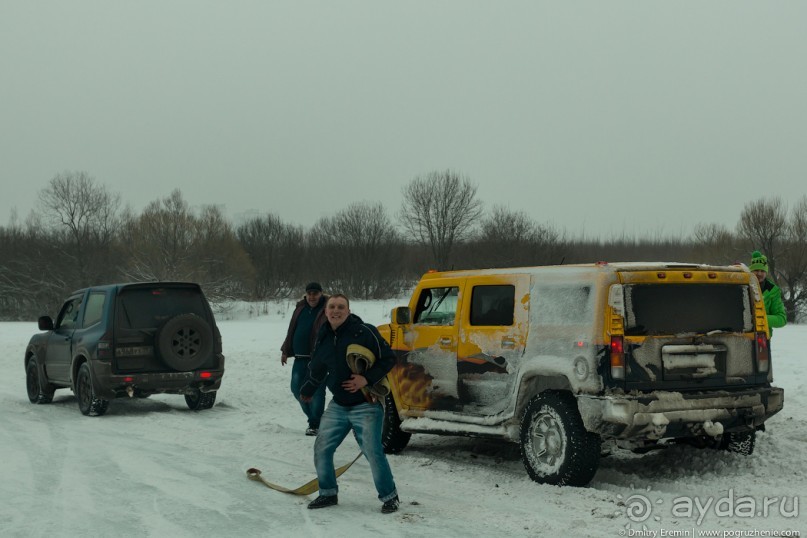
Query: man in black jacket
x=350, y=408
x=308, y=317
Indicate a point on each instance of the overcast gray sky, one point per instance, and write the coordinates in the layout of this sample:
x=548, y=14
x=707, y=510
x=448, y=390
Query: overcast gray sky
x=600, y=117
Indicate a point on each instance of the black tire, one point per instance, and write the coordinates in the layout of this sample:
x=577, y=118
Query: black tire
x=198, y=400
x=185, y=342
x=393, y=438
x=555, y=446
x=739, y=442
x=39, y=391
x=88, y=403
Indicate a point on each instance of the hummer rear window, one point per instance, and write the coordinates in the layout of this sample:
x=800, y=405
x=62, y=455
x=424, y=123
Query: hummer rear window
x=149, y=308
x=686, y=308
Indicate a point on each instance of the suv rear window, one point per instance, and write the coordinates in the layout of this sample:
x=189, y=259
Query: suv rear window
x=148, y=308
x=686, y=308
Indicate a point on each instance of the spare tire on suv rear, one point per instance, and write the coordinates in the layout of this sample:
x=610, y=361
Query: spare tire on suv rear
x=185, y=342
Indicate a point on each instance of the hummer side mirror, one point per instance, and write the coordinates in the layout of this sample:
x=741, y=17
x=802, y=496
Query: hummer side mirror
x=402, y=315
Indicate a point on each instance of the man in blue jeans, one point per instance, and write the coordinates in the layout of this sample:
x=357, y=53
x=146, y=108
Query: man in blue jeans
x=305, y=323
x=349, y=409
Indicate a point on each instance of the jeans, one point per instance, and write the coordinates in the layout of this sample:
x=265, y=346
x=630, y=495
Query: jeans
x=365, y=420
x=313, y=409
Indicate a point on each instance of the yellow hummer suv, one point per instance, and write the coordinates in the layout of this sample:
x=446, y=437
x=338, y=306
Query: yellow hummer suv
x=563, y=359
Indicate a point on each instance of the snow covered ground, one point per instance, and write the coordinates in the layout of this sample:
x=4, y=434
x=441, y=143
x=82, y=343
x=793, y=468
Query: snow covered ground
x=153, y=468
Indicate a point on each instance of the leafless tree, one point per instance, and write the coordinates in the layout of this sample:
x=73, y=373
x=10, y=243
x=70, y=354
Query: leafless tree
x=355, y=249
x=222, y=265
x=87, y=214
x=768, y=226
x=792, y=264
x=714, y=243
x=502, y=225
x=763, y=226
x=276, y=250
x=161, y=240
x=168, y=241
x=32, y=282
x=510, y=238
x=439, y=211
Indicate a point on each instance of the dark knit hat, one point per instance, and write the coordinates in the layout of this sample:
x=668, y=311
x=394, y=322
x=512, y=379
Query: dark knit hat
x=313, y=286
x=759, y=262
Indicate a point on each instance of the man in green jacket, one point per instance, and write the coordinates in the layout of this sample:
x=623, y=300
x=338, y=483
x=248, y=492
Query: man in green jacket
x=771, y=294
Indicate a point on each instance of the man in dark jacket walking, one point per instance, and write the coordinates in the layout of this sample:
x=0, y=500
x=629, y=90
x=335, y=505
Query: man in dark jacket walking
x=350, y=407
x=308, y=317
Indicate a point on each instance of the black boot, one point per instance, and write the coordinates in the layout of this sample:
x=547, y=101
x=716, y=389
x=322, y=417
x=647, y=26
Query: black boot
x=391, y=505
x=323, y=501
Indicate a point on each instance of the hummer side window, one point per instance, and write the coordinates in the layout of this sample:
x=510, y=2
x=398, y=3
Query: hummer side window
x=437, y=306
x=563, y=305
x=493, y=305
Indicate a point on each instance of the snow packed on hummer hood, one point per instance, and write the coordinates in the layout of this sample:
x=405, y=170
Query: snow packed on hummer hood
x=152, y=468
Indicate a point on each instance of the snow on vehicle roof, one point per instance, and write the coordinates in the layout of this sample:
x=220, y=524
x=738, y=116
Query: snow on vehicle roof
x=595, y=268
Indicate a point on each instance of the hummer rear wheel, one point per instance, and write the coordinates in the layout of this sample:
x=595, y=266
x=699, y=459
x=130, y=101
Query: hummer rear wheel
x=555, y=446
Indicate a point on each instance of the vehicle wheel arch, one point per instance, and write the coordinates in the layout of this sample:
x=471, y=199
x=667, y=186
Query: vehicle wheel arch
x=534, y=384
x=89, y=404
x=44, y=388
x=78, y=360
x=29, y=352
x=31, y=355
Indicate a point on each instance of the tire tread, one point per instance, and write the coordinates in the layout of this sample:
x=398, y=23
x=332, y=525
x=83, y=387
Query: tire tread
x=582, y=447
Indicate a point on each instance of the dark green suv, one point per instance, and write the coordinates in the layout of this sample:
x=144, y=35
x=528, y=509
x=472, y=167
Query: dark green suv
x=128, y=340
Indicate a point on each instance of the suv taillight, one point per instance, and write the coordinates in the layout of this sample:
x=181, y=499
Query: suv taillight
x=763, y=353
x=105, y=346
x=617, y=358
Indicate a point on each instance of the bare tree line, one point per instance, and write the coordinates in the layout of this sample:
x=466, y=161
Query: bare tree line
x=79, y=236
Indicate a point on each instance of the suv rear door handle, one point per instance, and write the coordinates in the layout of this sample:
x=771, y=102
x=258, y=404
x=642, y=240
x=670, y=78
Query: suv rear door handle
x=508, y=342
x=446, y=341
